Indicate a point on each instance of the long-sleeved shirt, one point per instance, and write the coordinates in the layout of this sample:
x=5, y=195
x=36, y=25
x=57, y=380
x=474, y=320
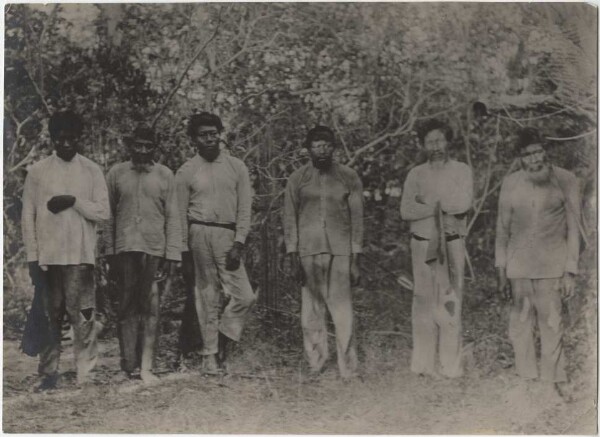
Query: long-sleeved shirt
x=144, y=212
x=323, y=211
x=68, y=237
x=537, y=235
x=217, y=192
x=451, y=185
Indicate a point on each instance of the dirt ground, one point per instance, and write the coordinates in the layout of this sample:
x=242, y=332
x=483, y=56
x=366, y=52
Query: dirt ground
x=388, y=400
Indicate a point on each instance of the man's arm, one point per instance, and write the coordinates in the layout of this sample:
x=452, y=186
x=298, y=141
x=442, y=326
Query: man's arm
x=410, y=209
x=460, y=197
x=109, y=227
x=290, y=217
x=28, y=217
x=503, y=225
x=244, y=204
x=573, y=211
x=183, y=199
x=172, y=221
x=355, y=203
x=97, y=208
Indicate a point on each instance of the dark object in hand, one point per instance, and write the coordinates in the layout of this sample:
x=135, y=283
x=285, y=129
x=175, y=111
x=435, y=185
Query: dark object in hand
x=234, y=256
x=60, y=203
x=297, y=269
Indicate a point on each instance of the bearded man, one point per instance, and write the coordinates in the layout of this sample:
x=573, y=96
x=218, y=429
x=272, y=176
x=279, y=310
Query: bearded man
x=537, y=252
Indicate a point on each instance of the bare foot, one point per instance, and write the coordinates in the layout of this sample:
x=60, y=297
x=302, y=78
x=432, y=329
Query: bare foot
x=148, y=377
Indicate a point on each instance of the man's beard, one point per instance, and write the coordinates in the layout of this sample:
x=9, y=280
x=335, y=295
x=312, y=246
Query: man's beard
x=322, y=163
x=437, y=156
x=141, y=161
x=539, y=177
x=209, y=154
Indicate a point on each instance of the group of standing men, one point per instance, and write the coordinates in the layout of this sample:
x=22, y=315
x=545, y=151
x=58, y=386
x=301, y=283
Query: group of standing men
x=150, y=218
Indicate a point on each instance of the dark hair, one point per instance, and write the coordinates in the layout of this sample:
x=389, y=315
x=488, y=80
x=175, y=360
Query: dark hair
x=434, y=124
x=319, y=133
x=64, y=121
x=141, y=132
x=527, y=136
x=203, y=119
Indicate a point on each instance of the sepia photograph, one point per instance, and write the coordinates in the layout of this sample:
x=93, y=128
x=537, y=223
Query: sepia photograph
x=300, y=218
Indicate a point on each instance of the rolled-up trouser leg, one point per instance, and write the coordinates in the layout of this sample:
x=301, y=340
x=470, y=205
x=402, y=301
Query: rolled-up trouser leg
x=520, y=327
x=450, y=302
x=424, y=328
x=235, y=285
x=206, y=290
x=339, y=302
x=314, y=328
x=54, y=302
x=547, y=302
x=80, y=299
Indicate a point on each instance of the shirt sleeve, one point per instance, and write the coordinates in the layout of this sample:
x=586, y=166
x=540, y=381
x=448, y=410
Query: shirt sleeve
x=290, y=216
x=108, y=228
x=503, y=224
x=355, y=204
x=172, y=221
x=28, y=216
x=573, y=212
x=97, y=208
x=410, y=209
x=183, y=199
x=244, y=204
x=459, y=198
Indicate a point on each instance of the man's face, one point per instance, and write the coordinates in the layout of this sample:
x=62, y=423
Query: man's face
x=207, y=142
x=142, y=151
x=533, y=158
x=436, y=145
x=321, y=154
x=66, y=144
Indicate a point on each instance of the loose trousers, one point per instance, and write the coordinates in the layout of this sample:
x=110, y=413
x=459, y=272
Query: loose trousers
x=71, y=289
x=190, y=338
x=328, y=287
x=209, y=246
x=543, y=296
x=436, y=309
x=138, y=309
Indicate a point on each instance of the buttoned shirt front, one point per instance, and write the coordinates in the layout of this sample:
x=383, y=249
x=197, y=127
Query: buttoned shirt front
x=68, y=237
x=144, y=211
x=323, y=211
x=537, y=235
x=451, y=184
x=217, y=192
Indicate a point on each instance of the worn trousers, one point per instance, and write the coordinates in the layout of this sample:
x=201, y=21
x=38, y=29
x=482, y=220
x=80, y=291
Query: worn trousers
x=436, y=309
x=190, y=339
x=541, y=296
x=209, y=246
x=138, y=309
x=71, y=289
x=328, y=288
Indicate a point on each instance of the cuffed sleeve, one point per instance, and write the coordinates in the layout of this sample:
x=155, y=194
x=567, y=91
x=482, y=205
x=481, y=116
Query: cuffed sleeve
x=97, y=208
x=355, y=203
x=244, y=204
x=290, y=216
x=410, y=209
x=28, y=217
x=172, y=222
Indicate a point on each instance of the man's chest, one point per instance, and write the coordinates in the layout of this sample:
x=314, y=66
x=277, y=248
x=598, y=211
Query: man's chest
x=134, y=186
x=65, y=179
x=213, y=180
x=531, y=201
x=324, y=189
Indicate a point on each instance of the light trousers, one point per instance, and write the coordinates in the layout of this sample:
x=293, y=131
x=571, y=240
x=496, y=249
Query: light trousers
x=328, y=288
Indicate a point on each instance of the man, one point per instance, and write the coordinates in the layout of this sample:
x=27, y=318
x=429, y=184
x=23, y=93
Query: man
x=142, y=237
x=323, y=225
x=65, y=196
x=537, y=251
x=215, y=201
x=437, y=194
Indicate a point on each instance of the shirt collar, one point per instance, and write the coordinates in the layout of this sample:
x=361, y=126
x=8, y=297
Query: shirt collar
x=202, y=160
x=75, y=159
x=147, y=168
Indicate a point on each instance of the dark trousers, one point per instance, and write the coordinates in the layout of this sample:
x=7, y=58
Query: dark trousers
x=70, y=288
x=190, y=339
x=138, y=309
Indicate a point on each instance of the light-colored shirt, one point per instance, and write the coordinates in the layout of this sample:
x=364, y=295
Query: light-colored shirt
x=144, y=212
x=537, y=235
x=68, y=237
x=323, y=211
x=216, y=192
x=451, y=185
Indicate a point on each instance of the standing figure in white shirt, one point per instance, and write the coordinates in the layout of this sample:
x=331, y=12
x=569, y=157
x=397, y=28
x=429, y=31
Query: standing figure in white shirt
x=65, y=196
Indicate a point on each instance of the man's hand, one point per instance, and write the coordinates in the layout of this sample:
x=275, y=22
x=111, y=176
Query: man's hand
x=504, y=284
x=234, y=256
x=60, y=203
x=111, y=265
x=354, y=270
x=297, y=269
x=568, y=285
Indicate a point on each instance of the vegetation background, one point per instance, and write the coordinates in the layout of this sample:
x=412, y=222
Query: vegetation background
x=373, y=72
